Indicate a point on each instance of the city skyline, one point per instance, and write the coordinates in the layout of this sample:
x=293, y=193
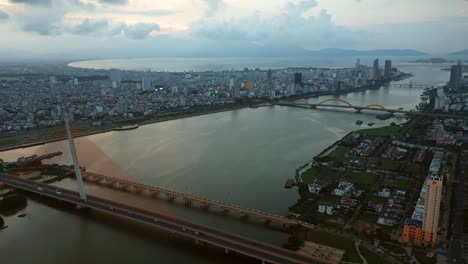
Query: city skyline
x=86, y=28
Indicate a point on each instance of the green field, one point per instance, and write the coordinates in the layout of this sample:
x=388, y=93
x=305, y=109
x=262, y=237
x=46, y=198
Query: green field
x=371, y=257
x=406, y=184
x=339, y=154
x=310, y=175
x=380, y=131
x=335, y=175
x=336, y=241
x=359, y=178
x=393, y=248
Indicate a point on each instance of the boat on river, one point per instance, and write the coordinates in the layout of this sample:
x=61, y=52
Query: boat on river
x=129, y=127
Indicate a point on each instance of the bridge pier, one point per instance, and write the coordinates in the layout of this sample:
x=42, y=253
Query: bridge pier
x=226, y=251
x=245, y=216
x=187, y=202
x=146, y=192
x=205, y=206
x=225, y=211
x=267, y=221
x=170, y=197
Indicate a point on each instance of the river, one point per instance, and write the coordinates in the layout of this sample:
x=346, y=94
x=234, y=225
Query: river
x=241, y=156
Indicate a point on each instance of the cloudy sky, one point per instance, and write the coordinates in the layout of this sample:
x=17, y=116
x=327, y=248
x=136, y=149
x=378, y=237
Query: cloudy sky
x=126, y=28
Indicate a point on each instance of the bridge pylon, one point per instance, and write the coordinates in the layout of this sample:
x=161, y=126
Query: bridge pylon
x=79, y=178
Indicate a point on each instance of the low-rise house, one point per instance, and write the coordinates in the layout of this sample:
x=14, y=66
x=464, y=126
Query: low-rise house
x=325, y=208
x=374, y=207
x=314, y=187
x=343, y=188
x=385, y=192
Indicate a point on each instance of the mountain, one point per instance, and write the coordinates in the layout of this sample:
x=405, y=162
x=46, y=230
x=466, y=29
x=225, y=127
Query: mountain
x=377, y=52
x=460, y=53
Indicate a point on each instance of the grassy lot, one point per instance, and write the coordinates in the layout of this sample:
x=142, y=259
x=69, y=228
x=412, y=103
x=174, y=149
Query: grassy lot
x=334, y=176
x=336, y=241
x=378, y=199
x=420, y=255
x=339, y=154
x=310, y=175
x=387, y=164
x=406, y=184
x=393, y=248
x=369, y=218
x=371, y=257
x=330, y=198
x=317, y=218
x=381, y=131
x=359, y=178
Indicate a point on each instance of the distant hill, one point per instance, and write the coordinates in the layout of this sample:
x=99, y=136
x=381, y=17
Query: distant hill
x=379, y=52
x=460, y=53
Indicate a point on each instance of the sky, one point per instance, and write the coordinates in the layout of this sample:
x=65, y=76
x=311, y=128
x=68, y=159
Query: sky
x=146, y=28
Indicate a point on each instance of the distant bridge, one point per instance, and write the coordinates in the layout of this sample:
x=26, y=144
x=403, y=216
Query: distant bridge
x=342, y=104
x=410, y=85
x=374, y=107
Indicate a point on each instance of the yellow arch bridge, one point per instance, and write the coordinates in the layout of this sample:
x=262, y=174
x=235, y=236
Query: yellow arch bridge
x=344, y=104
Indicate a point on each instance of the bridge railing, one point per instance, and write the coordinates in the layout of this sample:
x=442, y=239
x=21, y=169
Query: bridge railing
x=204, y=200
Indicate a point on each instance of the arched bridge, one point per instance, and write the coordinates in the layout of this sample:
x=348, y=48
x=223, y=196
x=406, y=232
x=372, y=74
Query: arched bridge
x=340, y=103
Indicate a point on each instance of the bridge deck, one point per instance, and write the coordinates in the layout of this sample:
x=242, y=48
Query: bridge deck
x=232, y=242
x=202, y=200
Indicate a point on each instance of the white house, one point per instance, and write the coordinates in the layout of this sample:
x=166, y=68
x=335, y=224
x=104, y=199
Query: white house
x=314, y=187
x=343, y=188
x=325, y=208
x=385, y=192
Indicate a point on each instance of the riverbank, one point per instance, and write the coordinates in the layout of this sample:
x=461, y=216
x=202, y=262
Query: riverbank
x=35, y=137
x=51, y=137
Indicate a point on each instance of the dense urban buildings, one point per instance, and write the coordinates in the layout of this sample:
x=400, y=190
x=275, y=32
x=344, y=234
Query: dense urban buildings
x=45, y=92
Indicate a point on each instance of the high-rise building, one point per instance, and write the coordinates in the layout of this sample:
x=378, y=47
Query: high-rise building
x=235, y=92
x=388, y=69
x=231, y=83
x=297, y=78
x=292, y=89
x=145, y=84
x=358, y=64
x=375, y=70
x=122, y=107
x=431, y=209
x=456, y=76
x=53, y=80
x=115, y=76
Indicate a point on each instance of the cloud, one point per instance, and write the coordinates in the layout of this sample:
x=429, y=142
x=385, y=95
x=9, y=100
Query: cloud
x=88, y=26
x=113, y=2
x=213, y=6
x=140, y=30
x=33, y=2
x=42, y=22
x=291, y=27
x=3, y=15
x=300, y=7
